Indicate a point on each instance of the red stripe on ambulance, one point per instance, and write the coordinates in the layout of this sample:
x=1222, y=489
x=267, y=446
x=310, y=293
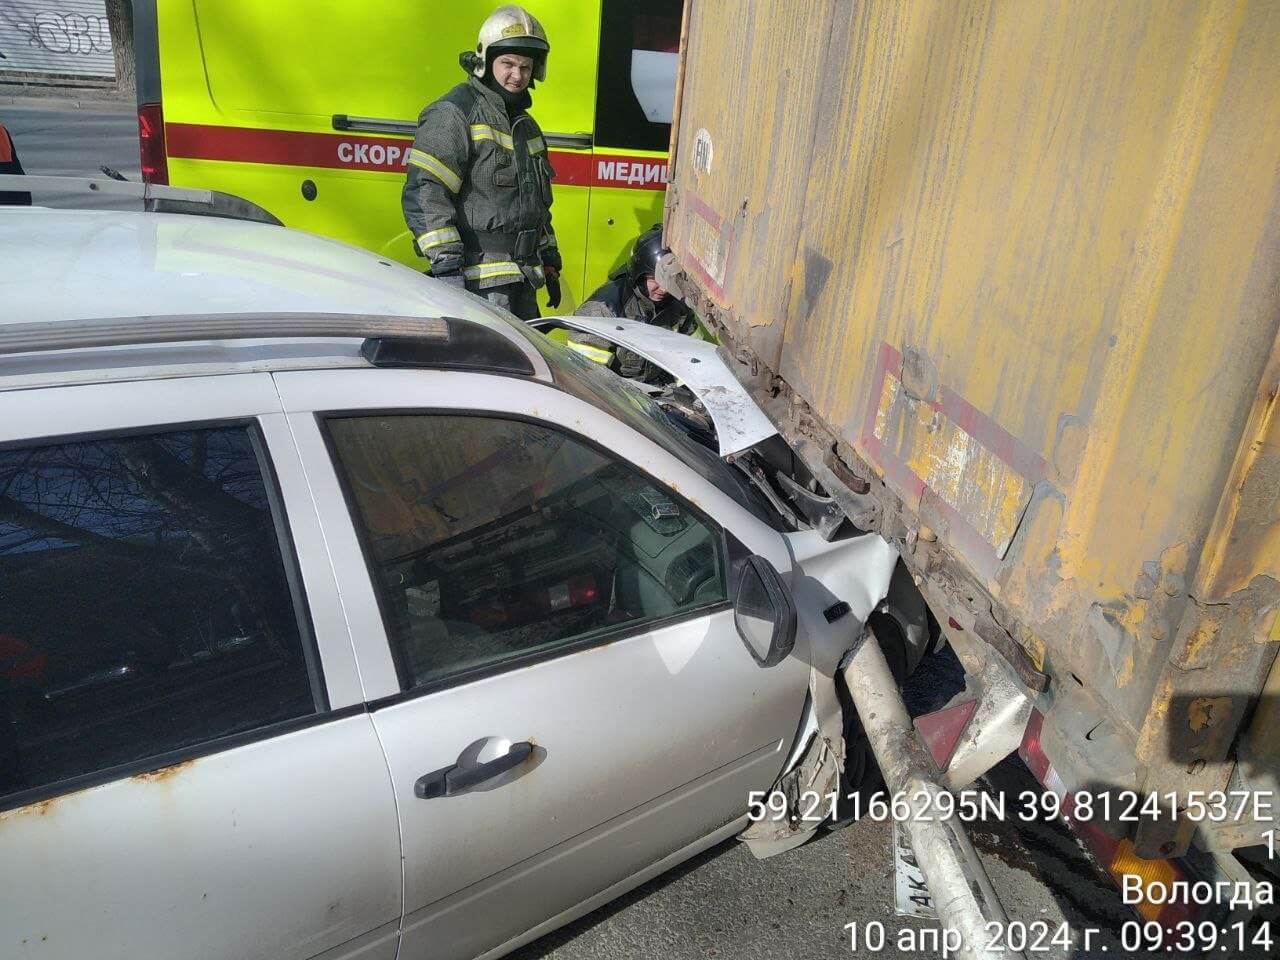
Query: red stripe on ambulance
x=198, y=141
x=195, y=141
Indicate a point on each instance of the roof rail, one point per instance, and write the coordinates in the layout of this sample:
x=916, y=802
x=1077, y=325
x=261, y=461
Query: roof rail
x=435, y=342
x=156, y=198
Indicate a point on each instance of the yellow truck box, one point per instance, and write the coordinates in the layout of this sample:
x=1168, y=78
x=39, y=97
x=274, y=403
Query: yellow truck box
x=1007, y=275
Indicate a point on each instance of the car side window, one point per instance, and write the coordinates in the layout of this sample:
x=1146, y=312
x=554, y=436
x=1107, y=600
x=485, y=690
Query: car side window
x=494, y=541
x=144, y=603
x=639, y=52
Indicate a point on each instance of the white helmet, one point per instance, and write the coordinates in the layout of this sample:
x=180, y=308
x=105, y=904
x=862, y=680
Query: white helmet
x=511, y=29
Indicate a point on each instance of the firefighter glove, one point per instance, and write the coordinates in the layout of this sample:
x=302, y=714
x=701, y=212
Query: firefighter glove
x=448, y=269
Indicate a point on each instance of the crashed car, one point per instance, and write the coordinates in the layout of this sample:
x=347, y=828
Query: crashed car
x=346, y=616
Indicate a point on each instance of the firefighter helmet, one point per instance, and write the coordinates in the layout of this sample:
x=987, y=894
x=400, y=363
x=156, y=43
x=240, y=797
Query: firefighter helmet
x=510, y=29
x=644, y=255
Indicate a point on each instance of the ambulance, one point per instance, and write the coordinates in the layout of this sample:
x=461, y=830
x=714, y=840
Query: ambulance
x=307, y=108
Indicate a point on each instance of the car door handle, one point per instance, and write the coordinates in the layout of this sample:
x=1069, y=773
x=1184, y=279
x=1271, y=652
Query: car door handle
x=455, y=779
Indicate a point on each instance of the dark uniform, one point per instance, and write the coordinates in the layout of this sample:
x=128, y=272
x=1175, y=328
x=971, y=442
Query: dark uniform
x=626, y=296
x=477, y=197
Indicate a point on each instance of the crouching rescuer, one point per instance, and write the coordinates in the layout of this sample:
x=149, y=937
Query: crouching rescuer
x=477, y=196
x=634, y=293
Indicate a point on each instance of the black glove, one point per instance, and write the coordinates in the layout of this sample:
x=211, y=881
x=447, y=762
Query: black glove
x=553, y=290
x=450, y=271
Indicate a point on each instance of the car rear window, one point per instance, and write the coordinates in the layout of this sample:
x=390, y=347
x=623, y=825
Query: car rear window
x=146, y=604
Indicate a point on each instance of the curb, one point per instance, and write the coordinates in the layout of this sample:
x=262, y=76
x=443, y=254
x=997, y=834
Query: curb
x=59, y=103
x=66, y=99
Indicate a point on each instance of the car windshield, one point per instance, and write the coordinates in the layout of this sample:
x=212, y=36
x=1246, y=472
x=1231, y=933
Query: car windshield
x=601, y=388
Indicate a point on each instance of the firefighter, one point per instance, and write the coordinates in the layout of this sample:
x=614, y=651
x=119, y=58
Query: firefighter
x=635, y=294
x=9, y=165
x=477, y=196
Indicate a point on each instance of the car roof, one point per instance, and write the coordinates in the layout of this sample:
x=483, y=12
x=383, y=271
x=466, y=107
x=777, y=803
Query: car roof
x=69, y=265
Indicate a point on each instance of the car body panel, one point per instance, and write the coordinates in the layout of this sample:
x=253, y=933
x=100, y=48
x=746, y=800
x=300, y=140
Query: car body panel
x=293, y=844
x=644, y=744
x=740, y=423
x=284, y=846
x=74, y=265
x=280, y=849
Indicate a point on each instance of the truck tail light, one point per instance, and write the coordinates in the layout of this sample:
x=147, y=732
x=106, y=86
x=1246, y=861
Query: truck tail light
x=155, y=161
x=1117, y=856
x=941, y=729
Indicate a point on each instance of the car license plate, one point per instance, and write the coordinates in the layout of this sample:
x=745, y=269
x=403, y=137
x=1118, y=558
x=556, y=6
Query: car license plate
x=912, y=893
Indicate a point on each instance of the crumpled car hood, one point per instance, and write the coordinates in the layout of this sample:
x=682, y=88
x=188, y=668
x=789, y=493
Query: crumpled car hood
x=740, y=423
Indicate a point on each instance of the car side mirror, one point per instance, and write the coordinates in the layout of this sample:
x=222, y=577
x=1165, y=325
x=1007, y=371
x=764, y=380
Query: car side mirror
x=764, y=612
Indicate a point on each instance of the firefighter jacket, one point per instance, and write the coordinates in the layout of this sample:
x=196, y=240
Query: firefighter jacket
x=477, y=195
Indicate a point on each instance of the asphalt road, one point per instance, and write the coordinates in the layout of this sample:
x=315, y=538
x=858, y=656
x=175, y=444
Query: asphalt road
x=723, y=903
x=57, y=138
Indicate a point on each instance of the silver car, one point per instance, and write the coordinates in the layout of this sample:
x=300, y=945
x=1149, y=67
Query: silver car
x=343, y=616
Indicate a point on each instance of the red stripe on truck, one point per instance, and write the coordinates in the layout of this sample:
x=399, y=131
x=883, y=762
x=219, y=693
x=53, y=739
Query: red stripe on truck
x=296, y=148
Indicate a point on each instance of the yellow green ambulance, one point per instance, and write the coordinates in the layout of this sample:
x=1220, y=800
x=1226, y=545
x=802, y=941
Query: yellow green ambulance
x=307, y=108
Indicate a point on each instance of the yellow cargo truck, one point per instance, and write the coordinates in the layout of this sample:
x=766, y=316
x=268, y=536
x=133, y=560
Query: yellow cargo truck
x=1007, y=277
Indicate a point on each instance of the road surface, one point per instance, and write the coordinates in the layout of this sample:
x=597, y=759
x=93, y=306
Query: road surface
x=62, y=139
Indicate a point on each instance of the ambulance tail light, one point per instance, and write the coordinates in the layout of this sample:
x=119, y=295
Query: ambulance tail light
x=155, y=162
x=1148, y=877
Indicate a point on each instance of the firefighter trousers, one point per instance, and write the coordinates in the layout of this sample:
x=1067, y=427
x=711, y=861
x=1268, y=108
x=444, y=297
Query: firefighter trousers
x=519, y=298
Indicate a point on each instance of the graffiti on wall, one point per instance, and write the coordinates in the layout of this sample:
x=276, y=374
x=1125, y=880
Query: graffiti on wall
x=69, y=37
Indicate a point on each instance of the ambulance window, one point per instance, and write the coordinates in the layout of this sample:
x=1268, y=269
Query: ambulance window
x=639, y=47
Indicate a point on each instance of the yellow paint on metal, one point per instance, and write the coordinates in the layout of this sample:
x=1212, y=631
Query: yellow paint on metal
x=1035, y=648
x=1072, y=210
x=986, y=492
x=1168, y=196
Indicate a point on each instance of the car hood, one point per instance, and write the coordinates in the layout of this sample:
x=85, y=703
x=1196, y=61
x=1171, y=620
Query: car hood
x=740, y=423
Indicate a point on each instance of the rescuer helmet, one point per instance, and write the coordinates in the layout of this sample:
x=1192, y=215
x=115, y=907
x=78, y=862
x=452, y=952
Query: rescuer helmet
x=645, y=254
x=509, y=29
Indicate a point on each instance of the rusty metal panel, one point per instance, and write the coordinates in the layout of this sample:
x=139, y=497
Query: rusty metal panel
x=1023, y=261
x=745, y=191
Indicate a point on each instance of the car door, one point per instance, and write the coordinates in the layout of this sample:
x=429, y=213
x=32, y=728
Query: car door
x=186, y=767
x=535, y=586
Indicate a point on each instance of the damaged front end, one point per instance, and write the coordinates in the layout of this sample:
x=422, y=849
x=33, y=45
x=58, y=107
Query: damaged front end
x=839, y=587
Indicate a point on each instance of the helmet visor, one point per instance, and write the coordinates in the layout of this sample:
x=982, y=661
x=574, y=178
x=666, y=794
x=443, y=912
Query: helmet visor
x=525, y=46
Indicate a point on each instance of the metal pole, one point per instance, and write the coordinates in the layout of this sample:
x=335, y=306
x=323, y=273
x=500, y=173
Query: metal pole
x=962, y=892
